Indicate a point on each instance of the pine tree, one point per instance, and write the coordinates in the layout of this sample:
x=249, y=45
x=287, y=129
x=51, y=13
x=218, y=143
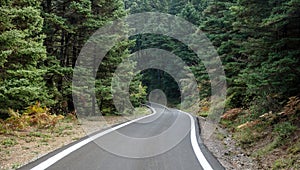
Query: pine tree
x=22, y=54
x=270, y=75
x=68, y=25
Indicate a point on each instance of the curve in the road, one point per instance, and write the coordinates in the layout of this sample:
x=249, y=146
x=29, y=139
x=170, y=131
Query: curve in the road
x=182, y=152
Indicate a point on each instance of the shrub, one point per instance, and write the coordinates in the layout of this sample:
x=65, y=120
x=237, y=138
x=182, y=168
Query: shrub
x=35, y=115
x=284, y=129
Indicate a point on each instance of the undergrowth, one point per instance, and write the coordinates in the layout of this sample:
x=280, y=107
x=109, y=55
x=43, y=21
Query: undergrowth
x=34, y=116
x=264, y=134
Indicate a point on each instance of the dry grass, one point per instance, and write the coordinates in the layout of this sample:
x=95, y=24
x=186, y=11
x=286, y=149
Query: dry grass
x=19, y=147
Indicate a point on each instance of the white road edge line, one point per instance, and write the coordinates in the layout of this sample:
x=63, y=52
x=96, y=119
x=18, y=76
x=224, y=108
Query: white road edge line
x=199, y=154
x=50, y=161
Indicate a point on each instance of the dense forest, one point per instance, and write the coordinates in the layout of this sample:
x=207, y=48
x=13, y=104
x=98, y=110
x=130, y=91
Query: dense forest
x=40, y=41
x=257, y=41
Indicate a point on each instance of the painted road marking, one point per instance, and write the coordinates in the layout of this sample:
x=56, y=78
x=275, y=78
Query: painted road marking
x=199, y=154
x=50, y=161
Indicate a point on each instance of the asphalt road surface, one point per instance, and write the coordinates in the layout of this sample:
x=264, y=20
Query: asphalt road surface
x=168, y=139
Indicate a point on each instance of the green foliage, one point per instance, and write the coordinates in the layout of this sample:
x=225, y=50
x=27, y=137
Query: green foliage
x=137, y=94
x=21, y=56
x=247, y=137
x=24, y=88
x=289, y=162
x=9, y=142
x=68, y=25
x=38, y=134
x=235, y=97
x=16, y=165
x=272, y=54
x=137, y=6
x=60, y=130
x=104, y=81
x=277, y=141
x=295, y=149
x=40, y=42
x=258, y=42
x=284, y=129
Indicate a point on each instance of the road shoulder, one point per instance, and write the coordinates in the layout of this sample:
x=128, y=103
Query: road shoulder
x=224, y=148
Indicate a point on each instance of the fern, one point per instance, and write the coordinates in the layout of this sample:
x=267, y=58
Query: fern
x=34, y=116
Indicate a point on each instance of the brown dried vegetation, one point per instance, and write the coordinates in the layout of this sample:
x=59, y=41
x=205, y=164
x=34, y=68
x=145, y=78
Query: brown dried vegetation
x=270, y=136
x=34, y=116
x=232, y=114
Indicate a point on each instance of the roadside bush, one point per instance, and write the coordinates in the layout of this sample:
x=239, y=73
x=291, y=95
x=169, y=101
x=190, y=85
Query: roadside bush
x=35, y=116
x=246, y=137
x=284, y=129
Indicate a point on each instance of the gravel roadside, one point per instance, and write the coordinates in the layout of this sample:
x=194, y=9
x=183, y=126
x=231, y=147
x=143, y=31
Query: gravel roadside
x=225, y=149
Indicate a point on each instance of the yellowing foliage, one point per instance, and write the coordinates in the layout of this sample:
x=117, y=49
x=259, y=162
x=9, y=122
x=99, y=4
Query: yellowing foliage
x=292, y=107
x=35, y=116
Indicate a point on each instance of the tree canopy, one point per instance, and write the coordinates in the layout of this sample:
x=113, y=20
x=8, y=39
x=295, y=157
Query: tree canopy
x=258, y=42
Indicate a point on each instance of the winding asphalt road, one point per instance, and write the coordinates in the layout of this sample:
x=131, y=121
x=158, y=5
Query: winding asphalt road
x=168, y=139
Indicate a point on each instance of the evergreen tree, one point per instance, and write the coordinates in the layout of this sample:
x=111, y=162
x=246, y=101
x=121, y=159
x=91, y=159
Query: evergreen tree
x=271, y=73
x=22, y=54
x=68, y=25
